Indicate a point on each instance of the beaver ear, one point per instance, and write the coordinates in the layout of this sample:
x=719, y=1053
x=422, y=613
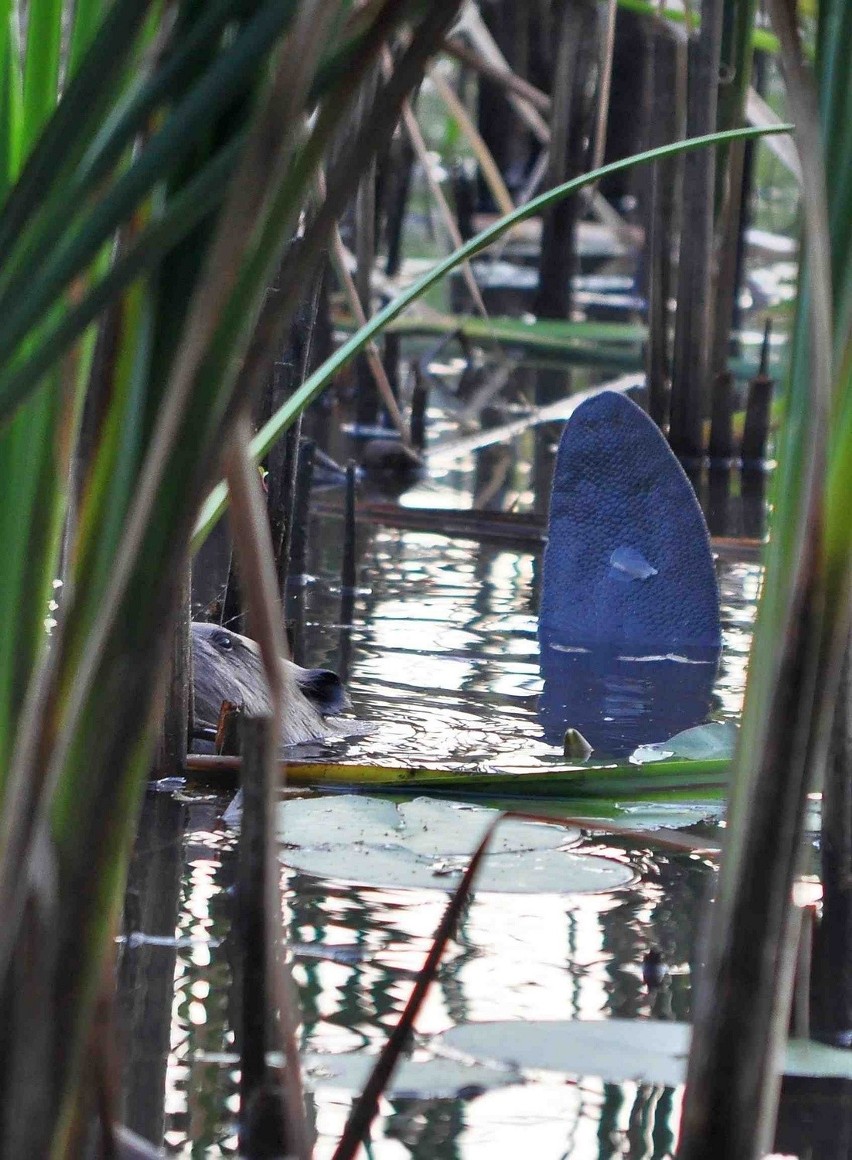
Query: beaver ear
x=325, y=689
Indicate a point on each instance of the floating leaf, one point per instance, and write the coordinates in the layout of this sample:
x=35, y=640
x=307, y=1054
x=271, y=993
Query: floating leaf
x=426, y=844
x=617, y=1050
x=669, y=815
x=418, y=1079
x=712, y=742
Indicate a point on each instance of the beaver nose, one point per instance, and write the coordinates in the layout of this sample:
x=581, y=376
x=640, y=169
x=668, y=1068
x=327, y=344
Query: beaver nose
x=325, y=689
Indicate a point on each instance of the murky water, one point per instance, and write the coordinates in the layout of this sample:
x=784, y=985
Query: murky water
x=442, y=658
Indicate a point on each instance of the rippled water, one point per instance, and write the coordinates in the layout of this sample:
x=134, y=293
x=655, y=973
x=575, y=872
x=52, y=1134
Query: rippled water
x=442, y=658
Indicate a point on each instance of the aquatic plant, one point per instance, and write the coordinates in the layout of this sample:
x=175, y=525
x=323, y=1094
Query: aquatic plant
x=154, y=163
x=801, y=638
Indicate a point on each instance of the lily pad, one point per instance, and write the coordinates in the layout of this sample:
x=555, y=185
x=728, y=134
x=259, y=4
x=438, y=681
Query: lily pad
x=669, y=815
x=426, y=844
x=436, y=1079
x=616, y=1050
x=710, y=742
x=423, y=1079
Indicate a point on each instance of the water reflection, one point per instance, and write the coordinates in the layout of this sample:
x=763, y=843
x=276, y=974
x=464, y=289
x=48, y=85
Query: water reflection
x=619, y=702
x=442, y=657
x=513, y=957
x=444, y=660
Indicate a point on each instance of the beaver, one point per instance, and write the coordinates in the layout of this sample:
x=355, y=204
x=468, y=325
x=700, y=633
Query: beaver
x=228, y=667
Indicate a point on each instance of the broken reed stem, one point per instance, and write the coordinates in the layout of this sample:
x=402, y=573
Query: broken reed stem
x=422, y=153
x=491, y=174
x=253, y=543
x=263, y=1123
x=177, y=717
x=371, y=353
x=604, y=86
x=501, y=75
x=756, y=428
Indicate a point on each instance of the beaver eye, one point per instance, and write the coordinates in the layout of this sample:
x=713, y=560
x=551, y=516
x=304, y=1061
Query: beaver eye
x=224, y=641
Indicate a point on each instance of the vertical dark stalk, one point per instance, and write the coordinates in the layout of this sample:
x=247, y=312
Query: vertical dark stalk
x=464, y=200
x=661, y=213
x=301, y=353
x=693, y=324
x=231, y=612
x=397, y=185
x=721, y=447
x=347, y=570
x=731, y=192
x=753, y=502
x=758, y=411
x=292, y=442
x=262, y=1116
x=831, y=993
x=718, y=502
x=365, y=252
x=276, y=462
x=729, y=248
x=391, y=355
x=507, y=137
x=348, y=573
x=301, y=506
x=556, y=263
x=145, y=972
x=177, y=719
x=745, y=197
x=419, y=403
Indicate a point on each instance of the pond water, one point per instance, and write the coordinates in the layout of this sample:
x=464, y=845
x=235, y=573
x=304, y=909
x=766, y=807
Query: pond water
x=442, y=658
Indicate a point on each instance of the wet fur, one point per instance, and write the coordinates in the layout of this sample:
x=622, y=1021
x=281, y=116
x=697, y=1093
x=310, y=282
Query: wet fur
x=227, y=667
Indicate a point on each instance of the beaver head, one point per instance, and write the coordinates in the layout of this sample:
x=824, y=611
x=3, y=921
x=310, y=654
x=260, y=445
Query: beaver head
x=228, y=667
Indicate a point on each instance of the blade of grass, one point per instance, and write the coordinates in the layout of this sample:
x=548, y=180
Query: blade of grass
x=65, y=135
x=41, y=66
x=104, y=622
x=58, y=264
x=794, y=673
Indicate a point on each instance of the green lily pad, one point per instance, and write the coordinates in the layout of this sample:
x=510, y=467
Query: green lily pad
x=616, y=1050
x=426, y=844
x=711, y=742
x=423, y=1079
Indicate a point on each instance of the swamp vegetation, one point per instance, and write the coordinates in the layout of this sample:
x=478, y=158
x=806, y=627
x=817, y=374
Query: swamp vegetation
x=417, y=232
